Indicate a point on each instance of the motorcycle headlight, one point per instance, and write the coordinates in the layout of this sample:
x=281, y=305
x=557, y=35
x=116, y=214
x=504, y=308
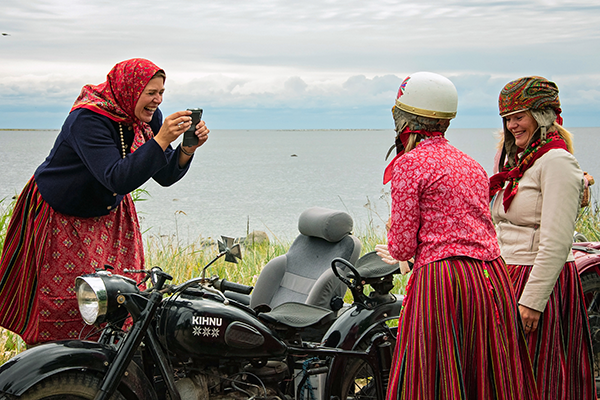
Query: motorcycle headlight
x=100, y=297
x=91, y=298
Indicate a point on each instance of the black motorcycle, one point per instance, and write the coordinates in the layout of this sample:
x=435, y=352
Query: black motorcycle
x=189, y=341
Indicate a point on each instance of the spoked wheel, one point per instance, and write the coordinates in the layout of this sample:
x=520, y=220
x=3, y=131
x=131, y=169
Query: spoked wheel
x=590, y=282
x=67, y=386
x=360, y=381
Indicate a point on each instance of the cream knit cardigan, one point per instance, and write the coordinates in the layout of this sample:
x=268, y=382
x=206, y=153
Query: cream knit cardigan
x=538, y=228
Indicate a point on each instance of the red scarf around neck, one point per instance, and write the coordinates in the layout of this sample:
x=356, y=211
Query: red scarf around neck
x=404, y=135
x=534, y=151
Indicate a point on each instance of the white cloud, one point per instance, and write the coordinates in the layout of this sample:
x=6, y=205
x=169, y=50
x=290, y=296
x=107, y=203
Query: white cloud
x=316, y=54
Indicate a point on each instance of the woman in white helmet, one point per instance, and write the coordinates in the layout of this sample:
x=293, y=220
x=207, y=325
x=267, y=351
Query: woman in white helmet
x=536, y=198
x=458, y=333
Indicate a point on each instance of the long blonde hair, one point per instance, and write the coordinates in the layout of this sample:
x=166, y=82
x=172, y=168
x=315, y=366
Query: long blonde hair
x=413, y=139
x=566, y=135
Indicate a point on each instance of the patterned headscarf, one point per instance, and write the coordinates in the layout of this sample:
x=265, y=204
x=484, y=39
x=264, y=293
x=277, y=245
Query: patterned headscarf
x=534, y=94
x=528, y=93
x=117, y=97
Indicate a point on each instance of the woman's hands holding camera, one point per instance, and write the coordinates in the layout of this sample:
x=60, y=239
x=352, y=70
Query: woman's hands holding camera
x=175, y=125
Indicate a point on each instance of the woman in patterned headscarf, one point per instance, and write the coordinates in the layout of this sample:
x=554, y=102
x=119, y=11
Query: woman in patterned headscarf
x=535, y=200
x=75, y=214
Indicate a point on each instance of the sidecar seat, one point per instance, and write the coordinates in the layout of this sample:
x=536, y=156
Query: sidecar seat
x=303, y=274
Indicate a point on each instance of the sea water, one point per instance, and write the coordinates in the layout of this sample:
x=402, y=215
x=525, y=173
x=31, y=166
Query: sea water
x=245, y=180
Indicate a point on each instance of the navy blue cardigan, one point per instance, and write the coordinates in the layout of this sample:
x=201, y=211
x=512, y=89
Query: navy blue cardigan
x=85, y=174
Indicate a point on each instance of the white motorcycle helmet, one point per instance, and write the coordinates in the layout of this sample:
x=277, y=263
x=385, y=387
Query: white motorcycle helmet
x=428, y=95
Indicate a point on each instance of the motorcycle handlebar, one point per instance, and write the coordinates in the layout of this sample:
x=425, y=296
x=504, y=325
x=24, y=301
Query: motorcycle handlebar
x=223, y=285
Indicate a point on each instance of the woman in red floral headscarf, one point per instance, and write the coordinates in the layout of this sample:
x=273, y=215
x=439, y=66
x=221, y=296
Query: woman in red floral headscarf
x=76, y=214
x=535, y=200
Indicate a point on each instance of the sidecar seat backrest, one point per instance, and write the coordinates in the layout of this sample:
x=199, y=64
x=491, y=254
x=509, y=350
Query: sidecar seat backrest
x=304, y=273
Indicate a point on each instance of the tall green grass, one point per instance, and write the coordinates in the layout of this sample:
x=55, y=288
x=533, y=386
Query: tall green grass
x=10, y=343
x=184, y=262
x=6, y=210
x=588, y=222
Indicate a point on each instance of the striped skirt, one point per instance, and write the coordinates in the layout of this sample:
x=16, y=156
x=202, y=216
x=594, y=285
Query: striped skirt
x=561, y=347
x=460, y=335
x=45, y=251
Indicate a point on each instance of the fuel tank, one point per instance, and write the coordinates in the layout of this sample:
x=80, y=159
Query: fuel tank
x=201, y=325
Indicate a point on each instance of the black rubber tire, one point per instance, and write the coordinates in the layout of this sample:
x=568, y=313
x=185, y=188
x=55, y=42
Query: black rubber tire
x=590, y=282
x=66, y=386
x=360, y=380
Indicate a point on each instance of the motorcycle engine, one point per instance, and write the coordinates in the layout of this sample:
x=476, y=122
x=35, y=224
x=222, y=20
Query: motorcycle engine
x=252, y=381
x=272, y=371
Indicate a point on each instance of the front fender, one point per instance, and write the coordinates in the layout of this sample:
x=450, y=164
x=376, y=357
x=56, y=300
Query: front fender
x=587, y=256
x=353, y=325
x=38, y=363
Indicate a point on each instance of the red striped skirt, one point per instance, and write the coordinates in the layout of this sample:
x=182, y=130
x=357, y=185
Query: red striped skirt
x=460, y=335
x=561, y=347
x=45, y=251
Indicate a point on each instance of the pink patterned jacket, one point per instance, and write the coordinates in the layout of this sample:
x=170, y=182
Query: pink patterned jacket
x=440, y=206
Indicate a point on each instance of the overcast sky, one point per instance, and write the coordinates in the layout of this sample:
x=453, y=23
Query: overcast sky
x=311, y=64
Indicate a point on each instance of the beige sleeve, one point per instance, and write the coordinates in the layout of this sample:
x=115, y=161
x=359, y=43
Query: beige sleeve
x=561, y=182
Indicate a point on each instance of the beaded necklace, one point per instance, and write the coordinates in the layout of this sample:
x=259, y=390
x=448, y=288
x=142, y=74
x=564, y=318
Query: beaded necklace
x=525, y=158
x=122, y=140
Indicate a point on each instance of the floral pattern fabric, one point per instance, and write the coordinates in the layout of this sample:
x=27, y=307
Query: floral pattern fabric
x=45, y=252
x=440, y=206
x=77, y=246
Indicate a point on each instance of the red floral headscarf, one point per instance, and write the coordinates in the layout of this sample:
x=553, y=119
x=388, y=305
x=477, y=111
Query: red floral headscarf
x=117, y=97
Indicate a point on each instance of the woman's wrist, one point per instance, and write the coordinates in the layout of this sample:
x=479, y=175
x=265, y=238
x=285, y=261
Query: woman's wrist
x=186, y=153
